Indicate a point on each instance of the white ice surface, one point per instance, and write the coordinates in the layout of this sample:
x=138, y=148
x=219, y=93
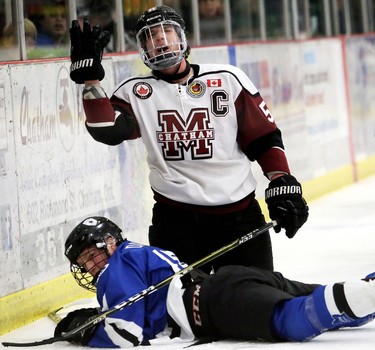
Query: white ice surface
x=336, y=244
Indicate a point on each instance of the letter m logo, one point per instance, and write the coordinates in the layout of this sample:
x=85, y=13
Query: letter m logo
x=178, y=136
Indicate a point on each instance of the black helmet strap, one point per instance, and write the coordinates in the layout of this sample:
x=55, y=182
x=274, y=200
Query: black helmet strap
x=171, y=78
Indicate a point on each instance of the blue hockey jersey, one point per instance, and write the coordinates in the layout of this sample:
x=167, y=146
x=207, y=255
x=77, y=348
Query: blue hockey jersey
x=131, y=269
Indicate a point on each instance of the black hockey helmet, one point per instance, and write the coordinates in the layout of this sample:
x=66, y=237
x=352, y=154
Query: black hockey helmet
x=91, y=231
x=170, y=53
x=158, y=14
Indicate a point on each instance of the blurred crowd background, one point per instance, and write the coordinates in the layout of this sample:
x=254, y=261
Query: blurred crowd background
x=40, y=28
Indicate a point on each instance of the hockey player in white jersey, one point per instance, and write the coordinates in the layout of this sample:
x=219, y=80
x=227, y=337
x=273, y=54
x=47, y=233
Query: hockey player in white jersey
x=202, y=125
x=236, y=302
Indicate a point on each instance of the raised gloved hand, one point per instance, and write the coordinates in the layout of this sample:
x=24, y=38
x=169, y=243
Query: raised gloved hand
x=86, y=51
x=286, y=204
x=75, y=319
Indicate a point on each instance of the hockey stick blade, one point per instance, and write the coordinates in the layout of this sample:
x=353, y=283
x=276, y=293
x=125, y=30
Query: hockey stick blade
x=149, y=290
x=54, y=316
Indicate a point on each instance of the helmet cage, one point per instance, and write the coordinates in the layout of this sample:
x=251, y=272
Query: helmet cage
x=87, y=279
x=157, y=56
x=83, y=277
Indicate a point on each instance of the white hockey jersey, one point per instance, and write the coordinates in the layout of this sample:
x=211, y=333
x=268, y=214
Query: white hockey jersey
x=200, y=137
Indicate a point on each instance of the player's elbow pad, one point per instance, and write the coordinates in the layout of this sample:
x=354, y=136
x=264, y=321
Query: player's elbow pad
x=123, y=129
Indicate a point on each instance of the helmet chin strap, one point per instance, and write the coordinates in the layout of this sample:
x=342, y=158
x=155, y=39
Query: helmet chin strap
x=170, y=78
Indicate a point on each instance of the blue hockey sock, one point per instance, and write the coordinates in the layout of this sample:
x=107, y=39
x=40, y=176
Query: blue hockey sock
x=296, y=319
x=303, y=318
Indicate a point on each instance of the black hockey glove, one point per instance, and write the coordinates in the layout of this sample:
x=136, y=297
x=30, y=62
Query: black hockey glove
x=286, y=204
x=75, y=319
x=86, y=51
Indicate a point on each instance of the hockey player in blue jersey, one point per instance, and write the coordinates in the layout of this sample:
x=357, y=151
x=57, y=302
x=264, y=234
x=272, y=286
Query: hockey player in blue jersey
x=236, y=302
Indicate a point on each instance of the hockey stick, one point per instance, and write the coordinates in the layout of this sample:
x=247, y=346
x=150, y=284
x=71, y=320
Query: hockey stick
x=149, y=290
x=57, y=318
x=54, y=316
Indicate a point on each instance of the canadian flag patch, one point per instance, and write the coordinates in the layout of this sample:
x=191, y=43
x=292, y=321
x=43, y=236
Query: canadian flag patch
x=213, y=82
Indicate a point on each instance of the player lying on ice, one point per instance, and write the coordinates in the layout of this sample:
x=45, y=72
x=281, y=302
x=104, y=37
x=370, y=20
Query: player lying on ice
x=236, y=302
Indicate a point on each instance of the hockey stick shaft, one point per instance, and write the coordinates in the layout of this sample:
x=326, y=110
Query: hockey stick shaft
x=149, y=290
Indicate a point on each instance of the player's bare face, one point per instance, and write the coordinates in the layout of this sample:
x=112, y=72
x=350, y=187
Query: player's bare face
x=92, y=259
x=162, y=39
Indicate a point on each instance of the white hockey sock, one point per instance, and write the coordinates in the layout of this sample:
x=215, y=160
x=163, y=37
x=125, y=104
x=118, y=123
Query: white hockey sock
x=360, y=297
x=355, y=299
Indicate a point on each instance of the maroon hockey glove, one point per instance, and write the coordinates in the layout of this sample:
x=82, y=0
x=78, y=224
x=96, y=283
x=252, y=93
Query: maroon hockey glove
x=286, y=204
x=86, y=51
x=75, y=319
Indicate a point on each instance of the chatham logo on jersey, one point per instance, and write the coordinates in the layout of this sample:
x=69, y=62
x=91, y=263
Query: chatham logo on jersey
x=142, y=90
x=277, y=191
x=179, y=135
